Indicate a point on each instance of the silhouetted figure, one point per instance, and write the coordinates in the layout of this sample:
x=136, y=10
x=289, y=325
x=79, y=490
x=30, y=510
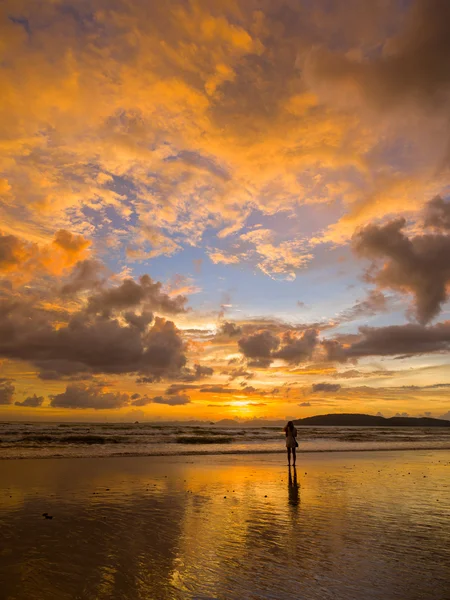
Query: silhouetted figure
x=294, y=497
x=291, y=442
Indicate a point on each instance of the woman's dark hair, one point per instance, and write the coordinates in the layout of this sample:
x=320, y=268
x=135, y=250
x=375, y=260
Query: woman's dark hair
x=290, y=425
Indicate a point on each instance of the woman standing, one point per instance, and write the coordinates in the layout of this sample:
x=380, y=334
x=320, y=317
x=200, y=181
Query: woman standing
x=291, y=442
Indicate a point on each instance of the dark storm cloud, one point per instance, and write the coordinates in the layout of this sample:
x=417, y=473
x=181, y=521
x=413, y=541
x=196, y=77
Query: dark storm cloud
x=89, y=344
x=198, y=372
x=11, y=251
x=259, y=345
x=293, y=347
x=419, y=265
x=54, y=369
x=87, y=275
x=130, y=294
x=297, y=348
x=140, y=321
x=437, y=214
x=32, y=401
x=178, y=400
x=6, y=391
x=325, y=387
x=392, y=340
x=230, y=329
x=82, y=396
x=413, y=67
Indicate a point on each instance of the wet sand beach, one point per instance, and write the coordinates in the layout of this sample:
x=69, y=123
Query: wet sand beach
x=360, y=525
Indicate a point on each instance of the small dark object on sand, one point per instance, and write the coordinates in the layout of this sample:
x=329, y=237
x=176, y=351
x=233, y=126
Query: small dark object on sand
x=46, y=516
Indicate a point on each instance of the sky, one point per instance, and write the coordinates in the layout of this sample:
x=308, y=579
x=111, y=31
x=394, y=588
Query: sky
x=220, y=209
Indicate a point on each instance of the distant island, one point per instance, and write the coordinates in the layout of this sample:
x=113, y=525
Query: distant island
x=333, y=420
x=357, y=420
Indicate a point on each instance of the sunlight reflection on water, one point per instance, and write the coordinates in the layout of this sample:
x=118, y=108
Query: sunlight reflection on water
x=340, y=526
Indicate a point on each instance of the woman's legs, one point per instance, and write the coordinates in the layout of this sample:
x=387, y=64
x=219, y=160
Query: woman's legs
x=289, y=456
x=293, y=456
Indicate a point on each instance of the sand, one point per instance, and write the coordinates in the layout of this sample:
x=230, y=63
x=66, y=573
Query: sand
x=351, y=526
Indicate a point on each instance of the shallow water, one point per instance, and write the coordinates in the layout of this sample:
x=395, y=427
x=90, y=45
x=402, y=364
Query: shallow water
x=51, y=440
x=345, y=526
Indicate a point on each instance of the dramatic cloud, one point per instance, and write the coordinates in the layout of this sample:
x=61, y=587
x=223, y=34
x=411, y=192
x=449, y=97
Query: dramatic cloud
x=230, y=148
x=6, y=391
x=198, y=372
x=293, y=347
x=259, y=346
x=83, y=396
x=178, y=400
x=89, y=344
x=140, y=400
x=88, y=274
x=325, y=387
x=419, y=265
x=32, y=401
x=131, y=294
x=392, y=340
x=296, y=348
x=230, y=329
x=413, y=67
x=240, y=372
x=246, y=390
x=437, y=214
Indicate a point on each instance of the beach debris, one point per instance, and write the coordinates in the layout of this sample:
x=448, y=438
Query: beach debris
x=224, y=496
x=47, y=516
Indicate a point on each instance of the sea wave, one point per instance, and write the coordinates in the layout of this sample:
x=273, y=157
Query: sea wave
x=195, y=439
x=231, y=452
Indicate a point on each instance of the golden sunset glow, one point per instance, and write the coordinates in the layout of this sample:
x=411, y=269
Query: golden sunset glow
x=218, y=209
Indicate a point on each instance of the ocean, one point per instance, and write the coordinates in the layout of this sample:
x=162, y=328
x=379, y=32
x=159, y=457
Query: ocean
x=89, y=440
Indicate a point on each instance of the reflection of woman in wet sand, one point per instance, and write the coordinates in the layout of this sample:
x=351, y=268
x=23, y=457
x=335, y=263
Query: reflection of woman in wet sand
x=291, y=442
x=293, y=488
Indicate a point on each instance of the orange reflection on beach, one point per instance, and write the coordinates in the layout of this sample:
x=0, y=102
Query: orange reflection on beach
x=229, y=527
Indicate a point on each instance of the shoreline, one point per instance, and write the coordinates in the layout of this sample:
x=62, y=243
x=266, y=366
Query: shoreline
x=229, y=453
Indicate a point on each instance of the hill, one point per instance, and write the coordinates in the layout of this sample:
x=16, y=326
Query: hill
x=356, y=420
